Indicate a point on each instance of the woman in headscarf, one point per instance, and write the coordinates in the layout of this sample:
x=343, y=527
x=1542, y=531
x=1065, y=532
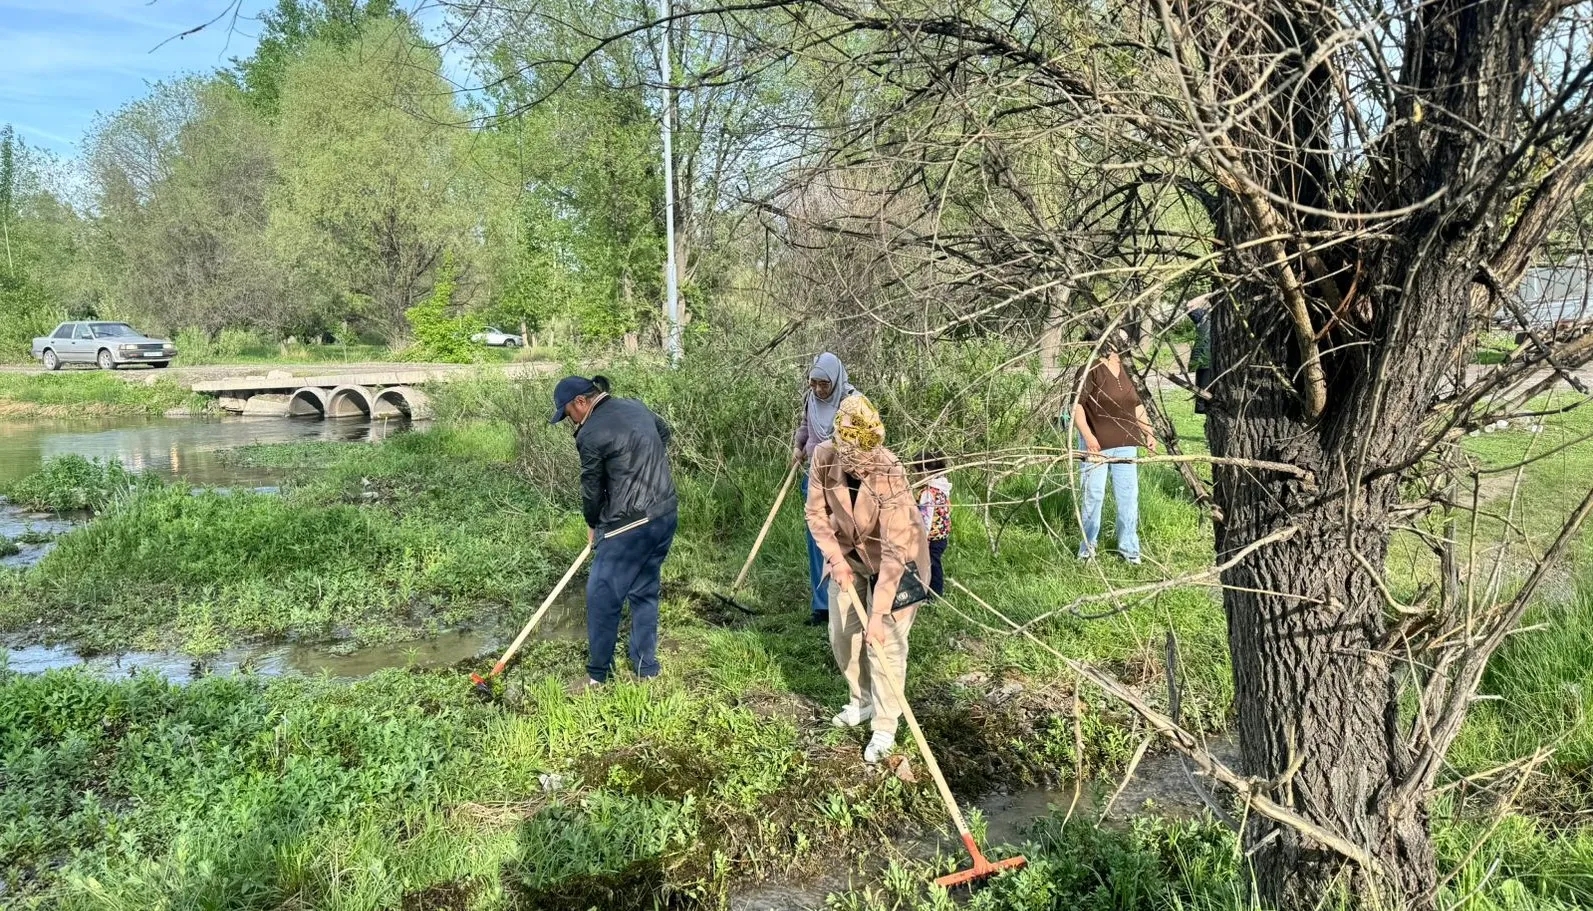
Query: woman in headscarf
x=865, y=519
x=827, y=386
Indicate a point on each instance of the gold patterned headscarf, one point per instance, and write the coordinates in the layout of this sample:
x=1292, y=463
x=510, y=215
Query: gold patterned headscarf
x=859, y=435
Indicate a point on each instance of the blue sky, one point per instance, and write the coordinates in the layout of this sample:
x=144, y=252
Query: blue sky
x=61, y=61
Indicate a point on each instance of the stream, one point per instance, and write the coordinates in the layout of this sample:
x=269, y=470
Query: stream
x=564, y=622
x=174, y=448
x=188, y=449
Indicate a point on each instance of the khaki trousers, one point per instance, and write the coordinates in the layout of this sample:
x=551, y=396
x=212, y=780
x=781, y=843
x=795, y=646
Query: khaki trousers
x=865, y=677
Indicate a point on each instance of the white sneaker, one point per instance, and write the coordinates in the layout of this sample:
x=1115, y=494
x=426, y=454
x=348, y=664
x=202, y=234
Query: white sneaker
x=852, y=716
x=879, y=746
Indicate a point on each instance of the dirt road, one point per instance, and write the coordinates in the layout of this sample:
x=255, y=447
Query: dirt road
x=187, y=376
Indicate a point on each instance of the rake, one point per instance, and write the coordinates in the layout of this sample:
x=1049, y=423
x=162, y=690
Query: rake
x=484, y=684
x=763, y=532
x=982, y=868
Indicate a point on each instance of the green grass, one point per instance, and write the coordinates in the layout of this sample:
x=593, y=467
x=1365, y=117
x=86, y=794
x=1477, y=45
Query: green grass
x=386, y=542
x=80, y=392
x=234, y=793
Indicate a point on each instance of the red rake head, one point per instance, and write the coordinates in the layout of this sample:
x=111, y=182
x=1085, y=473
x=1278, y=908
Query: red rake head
x=979, y=872
x=482, y=686
x=981, y=869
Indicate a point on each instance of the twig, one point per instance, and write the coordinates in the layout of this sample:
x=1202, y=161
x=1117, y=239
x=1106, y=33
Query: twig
x=1282, y=534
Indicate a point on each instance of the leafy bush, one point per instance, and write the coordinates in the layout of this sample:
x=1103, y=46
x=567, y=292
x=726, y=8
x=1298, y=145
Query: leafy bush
x=438, y=336
x=196, y=346
x=71, y=482
x=26, y=312
x=543, y=452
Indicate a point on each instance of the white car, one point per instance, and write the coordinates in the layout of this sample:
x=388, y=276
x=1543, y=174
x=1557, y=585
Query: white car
x=102, y=342
x=497, y=338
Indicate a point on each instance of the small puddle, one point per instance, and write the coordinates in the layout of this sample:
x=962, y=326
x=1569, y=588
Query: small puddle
x=1159, y=781
x=788, y=896
x=1159, y=785
x=565, y=620
x=17, y=523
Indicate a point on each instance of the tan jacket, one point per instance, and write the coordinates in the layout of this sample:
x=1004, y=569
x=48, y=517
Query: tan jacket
x=884, y=533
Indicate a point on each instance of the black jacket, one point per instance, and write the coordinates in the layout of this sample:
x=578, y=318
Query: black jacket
x=624, y=468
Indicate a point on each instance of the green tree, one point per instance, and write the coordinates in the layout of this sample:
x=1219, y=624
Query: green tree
x=287, y=32
x=377, y=181
x=30, y=244
x=576, y=232
x=181, y=180
x=440, y=335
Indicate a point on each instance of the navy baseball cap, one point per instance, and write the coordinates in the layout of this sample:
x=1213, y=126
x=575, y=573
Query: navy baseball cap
x=566, y=391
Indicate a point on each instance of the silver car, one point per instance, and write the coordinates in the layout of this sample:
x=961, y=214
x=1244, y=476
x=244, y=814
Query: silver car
x=107, y=344
x=497, y=338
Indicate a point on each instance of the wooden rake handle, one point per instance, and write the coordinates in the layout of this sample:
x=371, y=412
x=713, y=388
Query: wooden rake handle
x=767, y=522
x=537, y=617
x=918, y=733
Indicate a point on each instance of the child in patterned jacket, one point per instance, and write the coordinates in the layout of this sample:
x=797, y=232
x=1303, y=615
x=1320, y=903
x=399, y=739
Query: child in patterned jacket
x=935, y=506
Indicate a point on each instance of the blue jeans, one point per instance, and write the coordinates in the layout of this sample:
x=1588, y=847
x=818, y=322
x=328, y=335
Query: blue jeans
x=626, y=568
x=1125, y=489
x=821, y=589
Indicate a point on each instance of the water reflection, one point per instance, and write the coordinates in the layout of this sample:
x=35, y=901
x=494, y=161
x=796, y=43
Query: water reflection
x=183, y=448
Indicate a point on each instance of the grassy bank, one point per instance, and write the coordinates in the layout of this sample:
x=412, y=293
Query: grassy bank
x=399, y=791
x=89, y=393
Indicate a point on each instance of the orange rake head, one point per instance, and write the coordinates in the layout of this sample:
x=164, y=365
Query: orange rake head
x=982, y=869
x=484, y=684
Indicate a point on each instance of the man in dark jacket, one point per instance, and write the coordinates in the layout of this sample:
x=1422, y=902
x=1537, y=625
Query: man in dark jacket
x=629, y=501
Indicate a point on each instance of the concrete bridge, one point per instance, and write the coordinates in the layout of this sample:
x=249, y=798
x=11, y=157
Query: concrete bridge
x=381, y=392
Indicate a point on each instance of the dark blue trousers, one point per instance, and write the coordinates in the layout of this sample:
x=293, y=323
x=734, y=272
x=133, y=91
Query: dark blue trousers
x=820, y=605
x=626, y=568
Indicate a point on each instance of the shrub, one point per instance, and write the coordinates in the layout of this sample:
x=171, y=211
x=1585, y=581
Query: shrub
x=72, y=482
x=438, y=336
x=196, y=346
x=26, y=312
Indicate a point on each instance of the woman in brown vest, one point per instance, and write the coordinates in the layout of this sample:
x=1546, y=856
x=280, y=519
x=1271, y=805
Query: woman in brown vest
x=1112, y=424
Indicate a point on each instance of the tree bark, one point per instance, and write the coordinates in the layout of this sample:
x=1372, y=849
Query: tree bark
x=1317, y=688
x=1318, y=705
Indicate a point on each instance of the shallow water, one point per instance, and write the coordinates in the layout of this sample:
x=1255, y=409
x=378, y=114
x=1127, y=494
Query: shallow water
x=1159, y=786
x=15, y=522
x=565, y=621
x=185, y=448
x=445, y=650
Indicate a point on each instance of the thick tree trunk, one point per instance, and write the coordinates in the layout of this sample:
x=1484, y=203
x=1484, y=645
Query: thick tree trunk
x=1317, y=687
x=1318, y=704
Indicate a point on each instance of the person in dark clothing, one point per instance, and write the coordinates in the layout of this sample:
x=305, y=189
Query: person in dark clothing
x=1200, y=355
x=628, y=498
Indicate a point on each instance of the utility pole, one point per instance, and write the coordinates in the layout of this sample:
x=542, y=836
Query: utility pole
x=672, y=290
